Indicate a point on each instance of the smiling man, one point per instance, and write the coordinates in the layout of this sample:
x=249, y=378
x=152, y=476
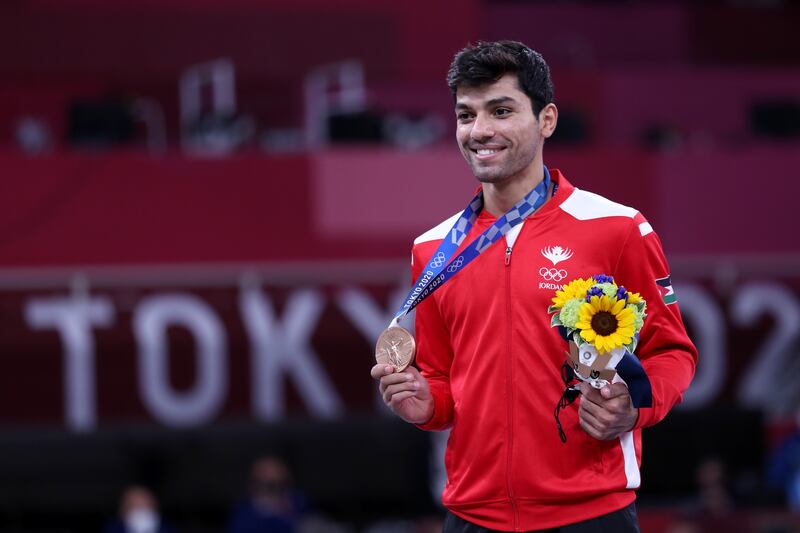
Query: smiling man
x=489, y=362
x=501, y=137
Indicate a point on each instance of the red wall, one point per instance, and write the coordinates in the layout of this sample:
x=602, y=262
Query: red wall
x=122, y=208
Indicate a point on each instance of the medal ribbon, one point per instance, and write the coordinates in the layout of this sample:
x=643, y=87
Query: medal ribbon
x=442, y=266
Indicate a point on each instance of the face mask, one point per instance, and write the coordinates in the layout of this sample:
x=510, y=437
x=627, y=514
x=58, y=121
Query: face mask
x=142, y=521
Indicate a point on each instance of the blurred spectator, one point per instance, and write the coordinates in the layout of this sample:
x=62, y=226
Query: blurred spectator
x=715, y=498
x=784, y=468
x=712, y=507
x=138, y=513
x=683, y=525
x=425, y=524
x=273, y=505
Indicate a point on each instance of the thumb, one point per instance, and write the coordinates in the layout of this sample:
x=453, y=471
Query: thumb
x=614, y=390
x=423, y=383
x=413, y=371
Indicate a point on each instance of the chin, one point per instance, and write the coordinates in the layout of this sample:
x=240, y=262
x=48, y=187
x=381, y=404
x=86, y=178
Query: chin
x=488, y=177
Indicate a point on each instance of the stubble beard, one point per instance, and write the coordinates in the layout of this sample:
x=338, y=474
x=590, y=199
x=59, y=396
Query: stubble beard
x=484, y=174
x=503, y=173
x=489, y=176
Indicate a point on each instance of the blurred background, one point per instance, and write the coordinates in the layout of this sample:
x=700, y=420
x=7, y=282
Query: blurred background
x=206, y=212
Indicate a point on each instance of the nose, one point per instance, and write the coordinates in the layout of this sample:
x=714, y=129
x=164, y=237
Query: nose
x=482, y=128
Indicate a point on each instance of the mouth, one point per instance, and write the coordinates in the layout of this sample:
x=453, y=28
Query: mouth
x=483, y=154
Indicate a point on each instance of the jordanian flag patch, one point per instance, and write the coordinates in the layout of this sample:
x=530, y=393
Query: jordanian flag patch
x=667, y=292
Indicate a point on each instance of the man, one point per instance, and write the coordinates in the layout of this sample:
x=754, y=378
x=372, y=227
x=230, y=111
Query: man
x=138, y=513
x=490, y=362
x=273, y=505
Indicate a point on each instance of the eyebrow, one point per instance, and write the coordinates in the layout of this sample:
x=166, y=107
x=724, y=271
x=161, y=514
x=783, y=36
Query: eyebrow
x=490, y=103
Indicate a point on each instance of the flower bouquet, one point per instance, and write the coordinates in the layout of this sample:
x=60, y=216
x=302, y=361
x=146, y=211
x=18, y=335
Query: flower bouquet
x=601, y=320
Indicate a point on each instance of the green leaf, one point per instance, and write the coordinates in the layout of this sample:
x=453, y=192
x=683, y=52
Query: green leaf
x=577, y=339
x=632, y=346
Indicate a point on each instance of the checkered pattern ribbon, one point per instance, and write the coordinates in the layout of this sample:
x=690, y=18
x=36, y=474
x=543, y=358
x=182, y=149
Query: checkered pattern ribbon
x=462, y=226
x=515, y=215
x=442, y=266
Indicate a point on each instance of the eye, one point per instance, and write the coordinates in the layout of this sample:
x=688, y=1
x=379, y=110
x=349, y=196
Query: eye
x=502, y=111
x=463, y=116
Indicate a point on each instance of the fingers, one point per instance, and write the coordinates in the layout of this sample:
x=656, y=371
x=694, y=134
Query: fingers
x=590, y=424
x=596, y=415
x=406, y=393
x=395, y=378
x=399, y=397
x=389, y=391
x=597, y=422
x=607, y=412
x=613, y=398
x=614, y=390
x=589, y=393
x=380, y=370
x=397, y=386
x=413, y=371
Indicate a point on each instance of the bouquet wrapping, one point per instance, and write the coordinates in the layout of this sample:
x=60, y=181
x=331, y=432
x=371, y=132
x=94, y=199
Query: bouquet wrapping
x=601, y=320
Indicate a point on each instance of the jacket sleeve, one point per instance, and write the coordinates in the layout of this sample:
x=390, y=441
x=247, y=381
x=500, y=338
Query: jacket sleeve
x=667, y=354
x=434, y=353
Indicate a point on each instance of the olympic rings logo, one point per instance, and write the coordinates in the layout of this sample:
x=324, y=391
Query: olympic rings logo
x=552, y=274
x=438, y=261
x=456, y=264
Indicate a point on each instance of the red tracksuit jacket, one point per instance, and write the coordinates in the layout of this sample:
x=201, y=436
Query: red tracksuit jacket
x=493, y=362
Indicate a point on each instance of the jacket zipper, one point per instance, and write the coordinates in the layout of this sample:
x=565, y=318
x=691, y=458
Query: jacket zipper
x=510, y=390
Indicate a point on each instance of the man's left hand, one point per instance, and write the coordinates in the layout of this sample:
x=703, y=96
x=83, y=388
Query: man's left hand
x=606, y=413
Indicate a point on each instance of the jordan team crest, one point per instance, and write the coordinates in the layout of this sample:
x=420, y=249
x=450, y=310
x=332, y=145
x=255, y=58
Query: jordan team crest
x=553, y=276
x=556, y=254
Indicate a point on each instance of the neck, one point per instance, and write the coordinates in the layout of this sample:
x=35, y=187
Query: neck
x=498, y=198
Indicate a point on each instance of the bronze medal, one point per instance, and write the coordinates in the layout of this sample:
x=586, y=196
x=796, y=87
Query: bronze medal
x=395, y=346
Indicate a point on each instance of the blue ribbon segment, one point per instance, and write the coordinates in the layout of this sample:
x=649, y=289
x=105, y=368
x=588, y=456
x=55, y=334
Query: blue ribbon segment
x=631, y=370
x=443, y=266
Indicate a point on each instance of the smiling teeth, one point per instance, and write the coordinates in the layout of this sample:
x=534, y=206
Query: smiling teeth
x=487, y=152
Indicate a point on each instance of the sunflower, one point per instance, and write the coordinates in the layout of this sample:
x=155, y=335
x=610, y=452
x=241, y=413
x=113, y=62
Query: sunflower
x=574, y=289
x=634, y=298
x=606, y=323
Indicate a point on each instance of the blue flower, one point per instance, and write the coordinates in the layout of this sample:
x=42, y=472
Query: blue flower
x=622, y=293
x=602, y=278
x=594, y=291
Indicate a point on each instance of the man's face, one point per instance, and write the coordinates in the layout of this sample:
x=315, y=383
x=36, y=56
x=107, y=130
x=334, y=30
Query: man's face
x=497, y=130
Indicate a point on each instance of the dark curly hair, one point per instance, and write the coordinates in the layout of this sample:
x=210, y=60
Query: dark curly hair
x=486, y=62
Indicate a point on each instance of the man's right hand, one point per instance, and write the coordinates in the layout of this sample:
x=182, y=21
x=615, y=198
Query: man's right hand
x=406, y=393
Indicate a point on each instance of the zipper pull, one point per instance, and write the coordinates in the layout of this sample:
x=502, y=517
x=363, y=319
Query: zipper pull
x=508, y=255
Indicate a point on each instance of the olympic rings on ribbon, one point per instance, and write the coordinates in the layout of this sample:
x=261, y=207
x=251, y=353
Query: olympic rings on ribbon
x=552, y=274
x=438, y=261
x=456, y=264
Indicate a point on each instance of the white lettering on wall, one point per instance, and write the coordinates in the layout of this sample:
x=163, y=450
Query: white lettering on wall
x=74, y=317
x=151, y=319
x=370, y=320
x=704, y=314
x=282, y=347
x=768, y=381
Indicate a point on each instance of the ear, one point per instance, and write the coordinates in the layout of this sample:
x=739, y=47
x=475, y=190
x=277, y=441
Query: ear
x=548, y=118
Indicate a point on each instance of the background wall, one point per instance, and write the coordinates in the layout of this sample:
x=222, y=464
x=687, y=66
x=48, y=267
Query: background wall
x=179, y=296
